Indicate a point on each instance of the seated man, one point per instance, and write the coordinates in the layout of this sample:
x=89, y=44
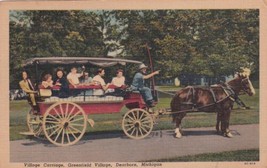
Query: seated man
x=119, y=79
x=27, y=86
x=87, y=80
x=138, y=84
x=73, y=77
x=100, y=81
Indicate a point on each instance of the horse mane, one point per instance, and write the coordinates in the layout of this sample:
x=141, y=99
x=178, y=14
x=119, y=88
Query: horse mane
x=245, y=72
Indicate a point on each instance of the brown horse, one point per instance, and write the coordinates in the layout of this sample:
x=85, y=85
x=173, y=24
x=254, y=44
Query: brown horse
x=217, y=98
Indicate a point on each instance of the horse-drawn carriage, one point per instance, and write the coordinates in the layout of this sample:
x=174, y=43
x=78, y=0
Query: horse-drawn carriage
x=63, y=121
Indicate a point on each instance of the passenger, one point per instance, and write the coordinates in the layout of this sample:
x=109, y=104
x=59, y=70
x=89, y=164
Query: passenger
x=63, y=83
x=138, y=84
x=27, y=86
x=100, y=81
x=73, y=77
x=47, y=81
x=119, y=80
x=87, y=80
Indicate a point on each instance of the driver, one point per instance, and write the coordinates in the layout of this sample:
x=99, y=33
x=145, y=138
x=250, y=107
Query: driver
x=138, y=84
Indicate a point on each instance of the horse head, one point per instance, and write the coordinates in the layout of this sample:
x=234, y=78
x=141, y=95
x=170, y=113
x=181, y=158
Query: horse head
x=242, y=83
x=245, y=82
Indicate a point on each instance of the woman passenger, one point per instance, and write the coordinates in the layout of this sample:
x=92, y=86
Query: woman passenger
x=47, y=81
x=119, y=80
x=63, y=83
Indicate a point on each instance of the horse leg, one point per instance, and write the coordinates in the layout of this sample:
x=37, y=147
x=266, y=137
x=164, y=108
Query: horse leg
x=225, y=124
x=219, y=118
x=178, y=120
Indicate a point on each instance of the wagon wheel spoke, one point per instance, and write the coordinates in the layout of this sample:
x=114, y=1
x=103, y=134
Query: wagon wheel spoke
x=130, y=118
x=136, y=131
x=145, y=118
x=130, y=128
x=79, y=112
x=78, y=119
x=54, y=131
x=141, y=131
x=63, y=136
x=142, y=128
x=146, y=122
x=59, y=132
x=75, y=129
x=68, y=137
x=55, y=110
x=146, y=126
x=66, y=110
x=39, y=131
x=141, y=115
x=52, y=127
x=137, y=114
x=53, y=117
x=71, y=111
x=134, y=115
x=72, y=134
x=52, y=122
x=132, y=131
x=61, y=111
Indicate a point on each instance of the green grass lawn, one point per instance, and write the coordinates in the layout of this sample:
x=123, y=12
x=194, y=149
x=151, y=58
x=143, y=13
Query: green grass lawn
x=240, y=155
x=112, y=122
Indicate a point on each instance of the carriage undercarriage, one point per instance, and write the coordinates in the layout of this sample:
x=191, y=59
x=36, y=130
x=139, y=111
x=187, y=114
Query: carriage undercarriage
x=65, y=123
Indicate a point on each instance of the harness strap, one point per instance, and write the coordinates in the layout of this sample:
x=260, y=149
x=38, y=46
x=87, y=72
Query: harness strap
x=213, y=95
x=192, y=91
x=229, y=92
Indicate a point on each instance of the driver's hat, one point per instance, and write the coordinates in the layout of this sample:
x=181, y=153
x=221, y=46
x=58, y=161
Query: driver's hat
x=142, y=66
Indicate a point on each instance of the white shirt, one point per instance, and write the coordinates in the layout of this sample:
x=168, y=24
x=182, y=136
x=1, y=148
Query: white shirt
x=118, y=81
x=74, y=77
x=99, y=79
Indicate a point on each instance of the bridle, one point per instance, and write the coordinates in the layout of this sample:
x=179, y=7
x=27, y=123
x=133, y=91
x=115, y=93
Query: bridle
x=244, y=89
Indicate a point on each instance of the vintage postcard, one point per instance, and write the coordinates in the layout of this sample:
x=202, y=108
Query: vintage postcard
x=133, y=84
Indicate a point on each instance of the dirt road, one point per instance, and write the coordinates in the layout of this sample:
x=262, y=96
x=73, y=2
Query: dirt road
x=116, y=147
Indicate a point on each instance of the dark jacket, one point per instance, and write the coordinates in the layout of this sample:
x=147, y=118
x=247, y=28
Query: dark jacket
x=64, y=88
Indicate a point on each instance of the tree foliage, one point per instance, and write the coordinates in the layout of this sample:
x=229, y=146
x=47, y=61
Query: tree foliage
x=204, y=42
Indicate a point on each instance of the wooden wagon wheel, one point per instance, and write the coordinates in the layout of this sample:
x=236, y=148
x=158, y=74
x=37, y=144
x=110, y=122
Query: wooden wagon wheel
x=137, y=123
x=34, y=123
x=64, y=123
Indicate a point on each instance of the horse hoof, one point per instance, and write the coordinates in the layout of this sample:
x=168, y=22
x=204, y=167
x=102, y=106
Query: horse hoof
x=228, y=135
x=178, y=135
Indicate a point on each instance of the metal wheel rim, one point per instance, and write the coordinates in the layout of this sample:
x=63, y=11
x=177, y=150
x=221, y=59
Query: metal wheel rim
x=137, y=124
x=68, y=124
